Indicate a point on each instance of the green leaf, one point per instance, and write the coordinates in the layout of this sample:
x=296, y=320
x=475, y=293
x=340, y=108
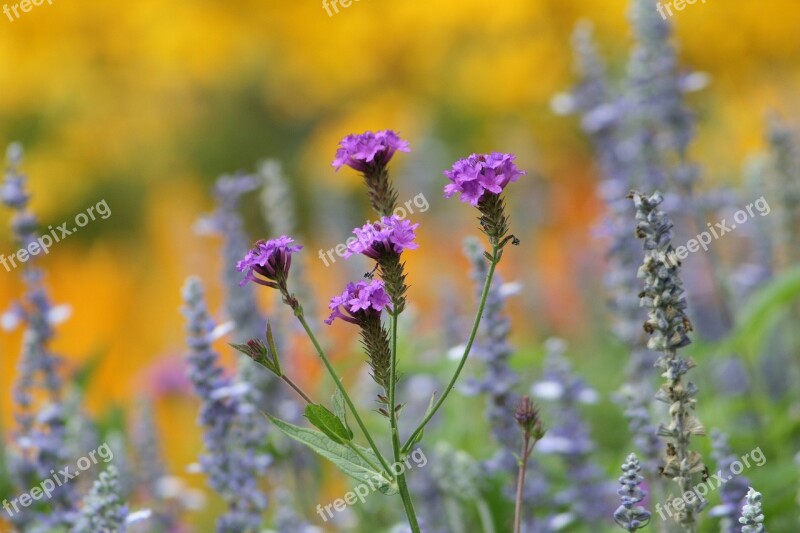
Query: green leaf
x=347, y=460
x=327, y=422
x=272, y=349
x=763, y=309
x=340, y=410
x=410, y=444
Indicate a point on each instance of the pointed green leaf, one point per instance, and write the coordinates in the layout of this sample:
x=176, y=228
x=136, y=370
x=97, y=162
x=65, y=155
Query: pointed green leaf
x=347, y=460
x=327, y=422
x=341, y=411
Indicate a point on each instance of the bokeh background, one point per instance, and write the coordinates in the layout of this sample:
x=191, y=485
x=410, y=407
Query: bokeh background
x=144, y=104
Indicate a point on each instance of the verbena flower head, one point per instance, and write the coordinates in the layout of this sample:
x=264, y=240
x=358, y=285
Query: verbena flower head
x=391, y=235
x=369, y=151
x=478, y=174
x=270, y=259
x=359, y=300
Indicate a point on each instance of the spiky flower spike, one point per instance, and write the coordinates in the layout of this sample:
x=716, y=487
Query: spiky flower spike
x=480, y=179
x=103, y=508
x=668, y=327
x=363, y=303
x=370, y=153
x=732, y=493
x=752, y=517
x=233, y=428
x=630, y=515
x=41, y=436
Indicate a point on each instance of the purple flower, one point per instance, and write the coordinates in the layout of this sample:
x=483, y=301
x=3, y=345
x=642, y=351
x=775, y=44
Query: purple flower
x=391, y=235
x=271, y=259
x=479, y=173
x=359, y=300
x=369, y=150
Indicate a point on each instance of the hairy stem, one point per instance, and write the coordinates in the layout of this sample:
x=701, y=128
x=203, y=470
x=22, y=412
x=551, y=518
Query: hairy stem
x=523, y=466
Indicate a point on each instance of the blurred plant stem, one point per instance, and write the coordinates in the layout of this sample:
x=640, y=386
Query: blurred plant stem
x=494, y=258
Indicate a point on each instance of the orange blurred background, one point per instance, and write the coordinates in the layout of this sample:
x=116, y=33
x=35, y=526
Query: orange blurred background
x=145, y=103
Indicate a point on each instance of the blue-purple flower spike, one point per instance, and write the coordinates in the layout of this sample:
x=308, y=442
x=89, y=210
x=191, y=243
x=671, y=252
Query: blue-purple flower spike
x=233, y=428
x=40, y=438
x=631, y=516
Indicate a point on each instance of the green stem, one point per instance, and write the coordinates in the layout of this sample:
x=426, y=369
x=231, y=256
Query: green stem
x=487, y=284
x=341, y=388
x=405, y=494
x=485, y=514
x=296, y=388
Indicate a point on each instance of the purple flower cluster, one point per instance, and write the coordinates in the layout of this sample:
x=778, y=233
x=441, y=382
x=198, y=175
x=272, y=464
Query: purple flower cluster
x=358, y=300
x=270, y=259
x=369, y=150
x=480, y=173
x=391, y=235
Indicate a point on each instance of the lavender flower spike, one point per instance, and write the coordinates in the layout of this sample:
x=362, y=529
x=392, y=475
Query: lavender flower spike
x=233, y=428
x=629, y=515
x=732, y=493
x=103, y=508
x=752, y=518
x=370, y=153
x=668, y=327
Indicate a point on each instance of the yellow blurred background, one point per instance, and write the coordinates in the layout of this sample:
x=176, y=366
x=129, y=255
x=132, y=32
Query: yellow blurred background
x=145, y=103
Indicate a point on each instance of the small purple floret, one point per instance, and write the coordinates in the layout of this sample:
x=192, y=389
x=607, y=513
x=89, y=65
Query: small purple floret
x=480, y=173
x=369, y=150
x=390, y=235
x=358, y=300
x=271, y=259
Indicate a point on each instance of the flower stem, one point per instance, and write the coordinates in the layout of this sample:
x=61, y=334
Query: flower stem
x=523, y=466
x=296, y=388
x=408, y=503
x=341, y=388
x=487, y=284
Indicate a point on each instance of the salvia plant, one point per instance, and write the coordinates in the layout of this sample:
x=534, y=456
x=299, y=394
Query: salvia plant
x=752, y=518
